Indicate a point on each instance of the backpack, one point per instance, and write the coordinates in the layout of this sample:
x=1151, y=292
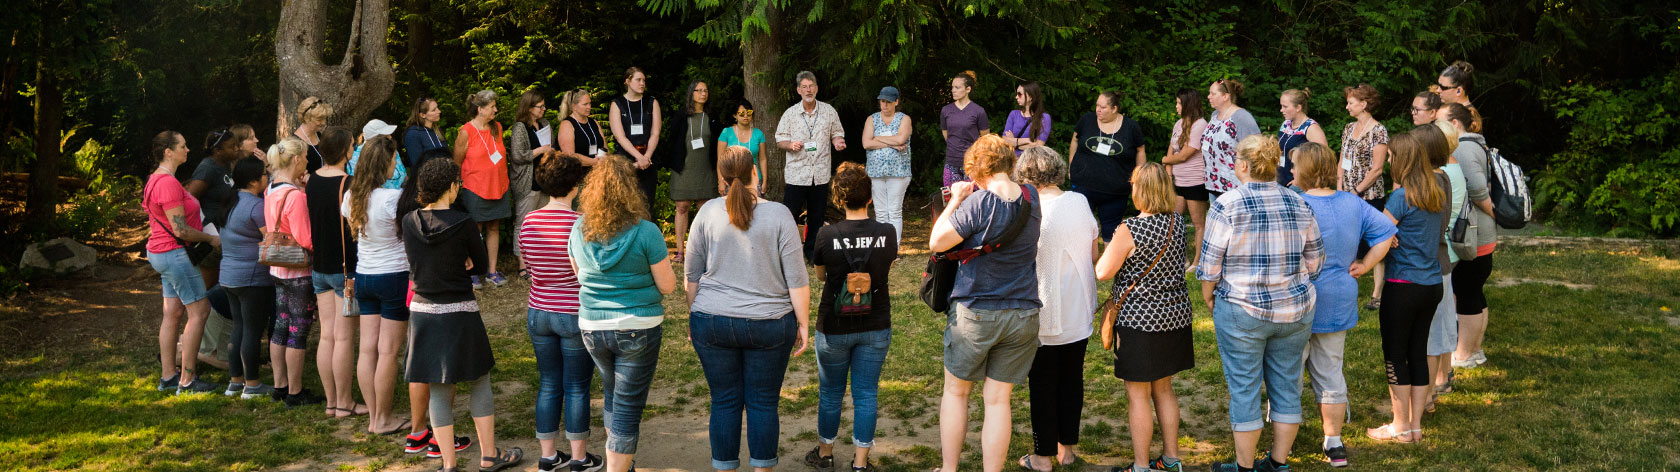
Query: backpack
x=1508, y=188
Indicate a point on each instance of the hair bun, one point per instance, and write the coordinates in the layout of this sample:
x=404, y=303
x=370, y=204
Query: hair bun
x=1464, y=66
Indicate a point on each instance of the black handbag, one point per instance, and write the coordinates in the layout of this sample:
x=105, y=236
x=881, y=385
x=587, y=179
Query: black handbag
x=941, y=273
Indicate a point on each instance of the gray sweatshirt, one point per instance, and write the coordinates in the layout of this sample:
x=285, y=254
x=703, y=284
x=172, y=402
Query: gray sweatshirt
x=1473, y=159
x=745, y=274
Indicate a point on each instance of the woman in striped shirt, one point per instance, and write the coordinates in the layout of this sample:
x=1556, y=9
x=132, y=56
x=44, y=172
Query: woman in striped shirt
x=564, y=369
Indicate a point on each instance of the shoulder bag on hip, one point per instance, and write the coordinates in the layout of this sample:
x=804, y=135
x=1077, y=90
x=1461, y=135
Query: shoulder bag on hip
x=278, y=248
x=196, y=252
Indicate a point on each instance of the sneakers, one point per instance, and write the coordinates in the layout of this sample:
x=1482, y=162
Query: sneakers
x=477, y=284
x=259, y=391
x=195, y=387
x=1160, y=463
x=1224, y=467
x=819, y=462
x=866, y=468
x=414, y=444
x=1338, y=456
x=1475, y=360
x=1265, y=464
x=303, y=397
x=170, y=384
x=278, y=395
x=433, y=452
x=589, y=463
x=497, y=278
x=234, y=388
x=1374, y=305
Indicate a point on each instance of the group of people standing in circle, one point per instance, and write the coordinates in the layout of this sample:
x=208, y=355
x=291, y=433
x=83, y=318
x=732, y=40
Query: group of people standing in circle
x=401, y=232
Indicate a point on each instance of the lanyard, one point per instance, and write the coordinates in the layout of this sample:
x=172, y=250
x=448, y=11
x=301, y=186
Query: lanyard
x=810, y=126
x=1116, y=132
x=641, y=106
x=434, y=137
x=489, y=148
x=589, y=136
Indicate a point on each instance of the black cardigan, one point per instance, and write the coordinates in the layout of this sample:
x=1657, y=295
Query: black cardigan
x=674, y=152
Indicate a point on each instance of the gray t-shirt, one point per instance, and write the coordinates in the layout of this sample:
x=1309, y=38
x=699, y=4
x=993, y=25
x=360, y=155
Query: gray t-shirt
x=745, y=274
x=1006, y=278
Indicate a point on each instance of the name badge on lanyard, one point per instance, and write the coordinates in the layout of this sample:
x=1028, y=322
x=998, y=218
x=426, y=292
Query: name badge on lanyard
x=593, y=150
x=1104, y=149
x=636, y=130
x=697, y=143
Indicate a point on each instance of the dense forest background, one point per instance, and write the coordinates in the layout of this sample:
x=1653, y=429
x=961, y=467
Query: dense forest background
x=1581, y=93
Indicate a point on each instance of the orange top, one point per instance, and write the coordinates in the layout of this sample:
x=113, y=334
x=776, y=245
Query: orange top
x=487, y=179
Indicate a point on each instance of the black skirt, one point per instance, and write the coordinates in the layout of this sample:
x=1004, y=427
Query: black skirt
x=447, y=348
x=1143, y=356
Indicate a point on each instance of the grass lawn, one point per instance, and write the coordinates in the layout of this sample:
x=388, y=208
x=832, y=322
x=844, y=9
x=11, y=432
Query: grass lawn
x=1582, y=376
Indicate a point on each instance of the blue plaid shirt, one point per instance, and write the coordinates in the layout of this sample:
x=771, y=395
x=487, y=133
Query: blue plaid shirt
x=1263, y=248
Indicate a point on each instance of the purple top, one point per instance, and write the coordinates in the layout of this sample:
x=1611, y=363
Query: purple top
x=962, y=126
x=1017, y=124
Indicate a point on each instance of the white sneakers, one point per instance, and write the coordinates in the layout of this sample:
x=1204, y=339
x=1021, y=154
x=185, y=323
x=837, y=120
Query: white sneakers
x=1475, y=360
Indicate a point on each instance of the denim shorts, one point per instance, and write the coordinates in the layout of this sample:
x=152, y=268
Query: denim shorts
x=325, y=282
x=383, y=295
x=180, y=278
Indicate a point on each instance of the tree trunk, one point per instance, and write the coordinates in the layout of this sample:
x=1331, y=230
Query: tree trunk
x=419, y=52
x=8, y=83
x=760, y=66
x=42, y=205
x=357, y=85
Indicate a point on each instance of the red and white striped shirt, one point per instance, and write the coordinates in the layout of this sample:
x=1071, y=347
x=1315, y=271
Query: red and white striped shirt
x=542, y=240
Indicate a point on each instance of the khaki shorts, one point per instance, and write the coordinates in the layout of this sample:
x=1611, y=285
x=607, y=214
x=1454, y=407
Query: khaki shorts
x=990, y=344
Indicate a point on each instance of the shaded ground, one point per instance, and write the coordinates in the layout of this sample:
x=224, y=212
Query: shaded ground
x=1580, y=379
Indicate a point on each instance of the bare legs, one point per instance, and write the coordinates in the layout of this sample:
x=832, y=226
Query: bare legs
x=419, y=398
x=336, y=356
x=1471, y=330
x=1139, y=396
x=682, y=227
x=376, y=369
x=170, y=333
x=492, y=242
x=1198, y=216
x=1283, y=436
x=953, y=422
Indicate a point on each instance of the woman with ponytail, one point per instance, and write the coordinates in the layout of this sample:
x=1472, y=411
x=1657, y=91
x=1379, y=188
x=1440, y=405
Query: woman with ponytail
x=381, y=279
x=961, y=123
x=1454, y=87
x=1228, y=125
x=749, y=296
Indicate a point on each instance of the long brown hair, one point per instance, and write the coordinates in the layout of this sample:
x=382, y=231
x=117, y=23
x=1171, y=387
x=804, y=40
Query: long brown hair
x=522, y=111
x=1191, y=103
x=417, y=115
x=378, y=156
x=1412, y=170
x=736, y=169
x=1035, y=95
x=611, y=202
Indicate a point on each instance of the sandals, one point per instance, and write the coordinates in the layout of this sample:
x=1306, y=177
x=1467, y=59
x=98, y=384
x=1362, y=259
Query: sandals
x=502, y=460
x=1386, y=433
x=350, y=411
x=405, y=426
x=1026, y=463
x=676, y=257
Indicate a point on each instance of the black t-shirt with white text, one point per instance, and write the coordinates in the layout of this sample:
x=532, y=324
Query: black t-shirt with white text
x=855, y=246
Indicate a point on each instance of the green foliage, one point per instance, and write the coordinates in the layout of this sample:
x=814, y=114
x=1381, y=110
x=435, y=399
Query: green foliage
x=1619, y=167
x=98, y=206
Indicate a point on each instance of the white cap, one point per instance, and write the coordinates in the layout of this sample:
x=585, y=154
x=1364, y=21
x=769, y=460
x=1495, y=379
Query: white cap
x=377, y=128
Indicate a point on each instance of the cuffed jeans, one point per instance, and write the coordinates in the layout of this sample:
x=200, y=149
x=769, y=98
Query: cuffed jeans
x=745, y=362
x=564, y=372
x=626, y=360
x=1255, y=351
x=862, y=355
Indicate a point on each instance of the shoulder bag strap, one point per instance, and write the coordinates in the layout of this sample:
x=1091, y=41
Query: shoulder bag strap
x=343, y=243
x=1146, y=272
x=144, y=193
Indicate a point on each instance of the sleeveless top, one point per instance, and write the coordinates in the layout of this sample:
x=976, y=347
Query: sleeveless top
x=630, y=114
x=484, y=176
x=1288, y=138
x=888, y=162
x=1219, y=153
x=1160, y=301
x=586, y=136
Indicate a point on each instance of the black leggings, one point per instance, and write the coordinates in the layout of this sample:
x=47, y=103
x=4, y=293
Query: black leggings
x=1056, y=390
x=1406, y=312
x=253, y=310
x=813, y=201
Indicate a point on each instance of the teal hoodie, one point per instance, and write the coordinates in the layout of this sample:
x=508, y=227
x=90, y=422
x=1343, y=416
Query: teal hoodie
x=614, y=276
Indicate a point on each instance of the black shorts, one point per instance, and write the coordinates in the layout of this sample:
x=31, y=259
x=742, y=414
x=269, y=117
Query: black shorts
x=1194, y=192
x=1379, y=204
x=1468, y=280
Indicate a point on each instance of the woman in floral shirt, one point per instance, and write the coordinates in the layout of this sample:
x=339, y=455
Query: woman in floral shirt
x=1228, y=125
x=1364, y=153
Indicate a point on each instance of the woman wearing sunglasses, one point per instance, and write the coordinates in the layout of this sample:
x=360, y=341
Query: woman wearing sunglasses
x=745, y=135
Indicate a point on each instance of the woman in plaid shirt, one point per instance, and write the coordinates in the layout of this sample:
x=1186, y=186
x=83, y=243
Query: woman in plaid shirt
x=1259, y=255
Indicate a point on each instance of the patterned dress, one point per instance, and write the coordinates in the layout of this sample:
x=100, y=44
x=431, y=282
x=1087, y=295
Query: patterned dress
x=1358, y=154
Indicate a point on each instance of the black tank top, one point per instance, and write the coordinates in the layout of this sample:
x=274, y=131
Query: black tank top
x=630, y=114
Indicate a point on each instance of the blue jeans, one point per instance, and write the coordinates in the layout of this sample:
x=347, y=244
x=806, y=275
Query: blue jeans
x=563, y=365
x=626, y=360
x=745, y=362
x=863, y=354
x=1253, y=351
x=180, y=279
